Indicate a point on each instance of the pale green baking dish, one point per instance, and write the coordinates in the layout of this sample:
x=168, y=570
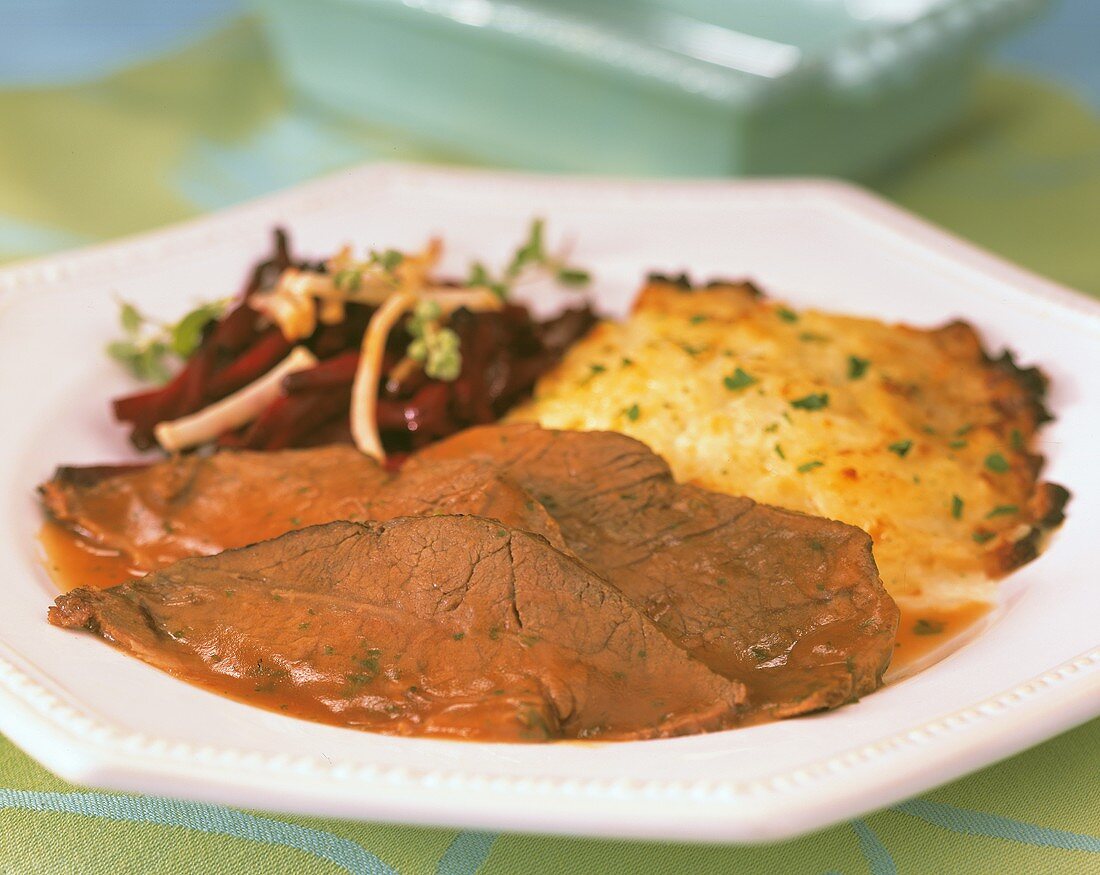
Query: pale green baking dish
x=671, y=87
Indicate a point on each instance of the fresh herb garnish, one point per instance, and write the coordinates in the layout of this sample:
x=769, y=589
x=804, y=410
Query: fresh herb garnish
x=957, y=445
x=964, y=429
x=434, y=346
x=997, y=463
x=698, y=318
x=1016, y=439
x=530, y=255
x=809, y=466
x=1002, y=510
x=927, y=627
x=857, y=367
x=348, y=280
x=981, y=537
x=901, y=448
x=812, y=337
x=956, y=507
x=149, y=346
x=813, y=401
x=786, y=314
x=479, y=276
x=632, y=412
x=739, y=379
x=530, y=252
x=779, y=452
x=572, y=276
x=387, y=259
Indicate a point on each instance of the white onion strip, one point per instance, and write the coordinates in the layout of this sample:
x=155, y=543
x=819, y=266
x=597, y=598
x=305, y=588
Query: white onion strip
x=364, y=391
x=234, y=410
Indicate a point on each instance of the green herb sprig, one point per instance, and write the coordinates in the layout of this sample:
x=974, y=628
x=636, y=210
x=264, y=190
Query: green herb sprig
x=436, y=347
x=148, y=347
x=529, y=255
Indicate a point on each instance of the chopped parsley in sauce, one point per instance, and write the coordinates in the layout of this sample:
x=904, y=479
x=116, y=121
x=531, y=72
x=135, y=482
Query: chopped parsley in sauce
x=1002, y=510
x=956, y=507
x=927, y=627
x=739, y=379
x=813, y=401
x=786, y=314
x=901, y=448
x=632, y=412
x=857, y=367
x=996, y=462
x=809, y=466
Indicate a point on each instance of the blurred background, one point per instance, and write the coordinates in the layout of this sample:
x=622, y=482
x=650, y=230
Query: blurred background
x=981, y=115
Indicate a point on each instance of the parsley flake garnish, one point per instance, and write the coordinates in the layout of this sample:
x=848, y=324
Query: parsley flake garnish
x=787, y=315
x=982, y=537
x=698, y=318
x=813, y=401
x=857, y=367
x=779, y=452
x=1016, y=439
x=901, y=448
x=1002, y=510
x=809, y=466
x=739, y=379
x=927, y=627
x=957, y=445
x=997, y=463
x=956, y=507
x=632, y=412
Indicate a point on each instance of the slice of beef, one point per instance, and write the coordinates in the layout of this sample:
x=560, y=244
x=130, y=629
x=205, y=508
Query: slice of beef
x=442, y=625
x=789, y=603
x=199, y=506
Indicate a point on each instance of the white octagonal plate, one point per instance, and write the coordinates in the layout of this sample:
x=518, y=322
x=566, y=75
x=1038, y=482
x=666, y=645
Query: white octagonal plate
x=98, y=717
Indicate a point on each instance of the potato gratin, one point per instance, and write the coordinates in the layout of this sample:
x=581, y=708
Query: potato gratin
x=916, y=436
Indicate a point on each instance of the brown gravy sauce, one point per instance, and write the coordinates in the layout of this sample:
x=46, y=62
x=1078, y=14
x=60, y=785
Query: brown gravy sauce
x=925, y=635
x=72, y=561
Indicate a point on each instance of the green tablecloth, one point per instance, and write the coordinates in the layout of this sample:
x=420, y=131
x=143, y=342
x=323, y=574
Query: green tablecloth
x=211, y=126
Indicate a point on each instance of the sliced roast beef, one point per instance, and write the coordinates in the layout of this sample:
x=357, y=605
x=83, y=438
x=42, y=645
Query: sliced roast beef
x=439, y=625
x=789, y=603
x=199, y=506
